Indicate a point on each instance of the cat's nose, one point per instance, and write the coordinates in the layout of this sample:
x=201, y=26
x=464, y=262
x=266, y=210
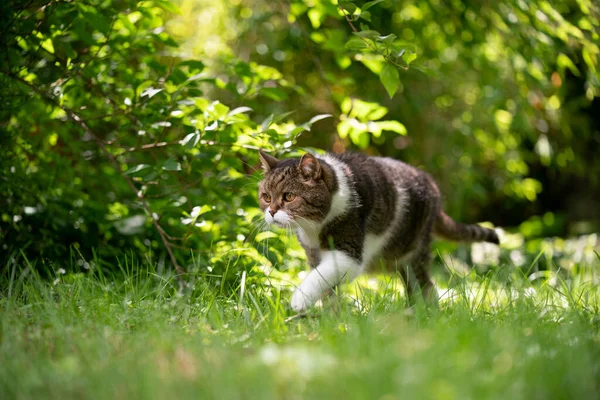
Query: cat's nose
x=272, y=212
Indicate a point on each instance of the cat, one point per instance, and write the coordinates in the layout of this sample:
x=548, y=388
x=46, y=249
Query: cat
x=350, y=210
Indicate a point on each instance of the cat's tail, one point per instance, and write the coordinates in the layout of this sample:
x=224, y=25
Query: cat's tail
x=448, y=228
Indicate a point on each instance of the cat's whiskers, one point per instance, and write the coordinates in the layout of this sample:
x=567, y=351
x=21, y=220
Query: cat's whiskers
x=311, y=224
x=257, y=224
x=248, y=184
x=261, y=226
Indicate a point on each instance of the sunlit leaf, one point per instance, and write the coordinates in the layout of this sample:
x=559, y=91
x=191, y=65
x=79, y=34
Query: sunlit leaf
x=319, y=118
x=356, y=44
x=564, y=61
x=191, y=140
x=136, y=169
x=408, y=57
x=360, y=138
x=151, y=92
x=344, y=128
x=212, y=126
x=239, y=110
x=265, y=235
x=393, y=126
x=48, y=46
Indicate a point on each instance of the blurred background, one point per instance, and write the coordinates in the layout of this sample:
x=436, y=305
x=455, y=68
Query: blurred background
x=132, y=127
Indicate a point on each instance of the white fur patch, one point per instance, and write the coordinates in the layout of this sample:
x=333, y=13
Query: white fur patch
x=344, y=197
x=308, y=233
x=334, y=268
x=374, y=244
x=268, y=217
x=280, y=218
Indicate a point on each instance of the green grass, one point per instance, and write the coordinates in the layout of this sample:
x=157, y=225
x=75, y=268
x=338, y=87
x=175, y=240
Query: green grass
x=134, y=337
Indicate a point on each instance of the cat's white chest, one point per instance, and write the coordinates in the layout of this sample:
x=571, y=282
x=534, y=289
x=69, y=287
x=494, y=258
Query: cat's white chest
x=308, y=234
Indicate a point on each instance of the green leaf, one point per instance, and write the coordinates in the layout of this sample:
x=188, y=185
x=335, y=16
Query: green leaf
x=390, y=78
x=266, y=123
x=213, y=126
x=136, y=169
x=368, y=34
x=348, y=6
x=239, y=110
x=217, y=110
x=389, y=39
x=151, y=92
x=356, y=44
x=191, y=140
x=171, y=165
x=280, y=117
x=360, y=138
x=365, y=15
x=393, y=126
x=265, y=235
x=318, y=118
x=408, y=57
x=276, y=94
x=194, y=66
x=370, y=4
x=563, y=61
x=48, y=46
x=299, y=129
x=344, y=129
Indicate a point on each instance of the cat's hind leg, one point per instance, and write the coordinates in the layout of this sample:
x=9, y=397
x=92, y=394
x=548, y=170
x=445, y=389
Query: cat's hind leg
x=413, y=268
x=420, y=266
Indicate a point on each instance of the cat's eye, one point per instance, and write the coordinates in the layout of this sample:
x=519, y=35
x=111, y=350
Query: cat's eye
x=289, y=196
x=266, y=197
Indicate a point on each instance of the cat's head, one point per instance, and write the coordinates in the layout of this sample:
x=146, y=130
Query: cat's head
x=295, y=191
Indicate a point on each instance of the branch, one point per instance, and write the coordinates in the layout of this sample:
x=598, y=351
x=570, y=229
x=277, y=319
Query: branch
x=77, y=119
x=348, y=19
x=369, y=45
x=154, y=145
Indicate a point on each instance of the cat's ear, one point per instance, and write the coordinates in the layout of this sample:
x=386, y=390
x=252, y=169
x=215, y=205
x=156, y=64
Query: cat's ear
x=268, y=162
x=309, y=166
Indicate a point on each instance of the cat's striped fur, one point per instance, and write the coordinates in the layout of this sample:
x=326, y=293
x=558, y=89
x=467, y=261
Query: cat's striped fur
x=351, y=210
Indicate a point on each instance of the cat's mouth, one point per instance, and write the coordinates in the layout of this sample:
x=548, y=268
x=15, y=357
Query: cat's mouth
x=280, y=219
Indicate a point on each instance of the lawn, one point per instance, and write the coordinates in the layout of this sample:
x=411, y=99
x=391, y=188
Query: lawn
x=135, y=335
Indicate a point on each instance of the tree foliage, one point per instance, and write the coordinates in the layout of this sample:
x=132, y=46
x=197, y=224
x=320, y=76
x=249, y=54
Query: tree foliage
x=112, y=144
x=499, y=99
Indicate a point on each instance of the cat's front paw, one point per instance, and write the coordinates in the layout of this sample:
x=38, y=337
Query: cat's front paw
x=300, y=301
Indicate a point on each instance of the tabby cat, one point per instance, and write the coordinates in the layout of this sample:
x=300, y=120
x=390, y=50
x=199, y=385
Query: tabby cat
x=350, y=210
